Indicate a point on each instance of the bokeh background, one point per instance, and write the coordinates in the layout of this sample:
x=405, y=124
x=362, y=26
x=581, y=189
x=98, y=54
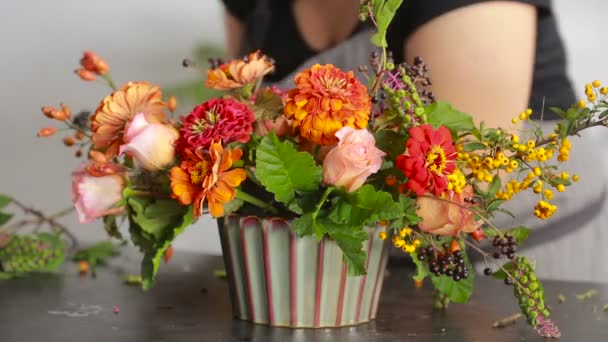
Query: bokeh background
x=146, y=40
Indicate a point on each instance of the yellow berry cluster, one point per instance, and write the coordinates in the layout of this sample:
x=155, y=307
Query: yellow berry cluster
x=456, y=181
x=544, y=210
x=564, y=150
x=403, y=240
x=592, y=90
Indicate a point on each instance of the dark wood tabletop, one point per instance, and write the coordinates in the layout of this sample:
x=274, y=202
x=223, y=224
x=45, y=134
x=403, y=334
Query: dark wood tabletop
x=189, y=303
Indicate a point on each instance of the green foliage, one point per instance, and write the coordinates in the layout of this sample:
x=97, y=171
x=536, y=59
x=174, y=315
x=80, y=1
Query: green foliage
x=4, y=218
x=4, y=200
x=384, y=11
x=153, y=227
x=111, y=227
x=456, y=291
x=303, y=225
x=96, y=254
x=494, y=186
x=500, y=274
x=390, y=142
x=350, y=239
x=474, y=146
x=365, y=206
x=442, y=114
x=284, y=171
x=409, y=216
x=422, y=270
x=21, y=255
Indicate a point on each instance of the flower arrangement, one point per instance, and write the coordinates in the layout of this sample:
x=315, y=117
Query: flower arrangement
x=333, y=155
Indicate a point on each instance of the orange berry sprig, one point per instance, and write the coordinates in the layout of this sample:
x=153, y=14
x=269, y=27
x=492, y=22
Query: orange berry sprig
x=64, y=114
x=93, y=66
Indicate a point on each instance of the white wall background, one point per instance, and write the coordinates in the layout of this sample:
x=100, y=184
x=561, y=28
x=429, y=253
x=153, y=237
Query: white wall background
x=146, y=40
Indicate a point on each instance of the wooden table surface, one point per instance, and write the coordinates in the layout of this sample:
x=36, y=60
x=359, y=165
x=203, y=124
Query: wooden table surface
x=189, y=303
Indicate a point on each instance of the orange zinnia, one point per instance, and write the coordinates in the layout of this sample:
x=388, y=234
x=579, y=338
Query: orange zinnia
x=117, y=109
x=326, y=99
x=239, y=72
x=202, y=177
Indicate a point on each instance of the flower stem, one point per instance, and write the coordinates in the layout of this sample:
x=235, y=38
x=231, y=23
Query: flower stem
x=110, y=81
x=245, y=197
x=319, y=205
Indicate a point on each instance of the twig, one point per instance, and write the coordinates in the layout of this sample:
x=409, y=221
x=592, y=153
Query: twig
x=51, y=220
x=505, y=322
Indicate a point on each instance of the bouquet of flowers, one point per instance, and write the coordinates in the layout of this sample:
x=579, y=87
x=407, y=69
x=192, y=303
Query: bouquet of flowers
x=335, y=154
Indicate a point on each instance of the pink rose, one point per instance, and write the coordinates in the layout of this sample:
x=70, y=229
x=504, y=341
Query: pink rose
x=96, y=189
x=441, y=217
x=149, y=142
x=353, y=160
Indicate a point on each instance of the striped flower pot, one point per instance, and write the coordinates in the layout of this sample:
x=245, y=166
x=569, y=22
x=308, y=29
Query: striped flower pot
x=279, y=279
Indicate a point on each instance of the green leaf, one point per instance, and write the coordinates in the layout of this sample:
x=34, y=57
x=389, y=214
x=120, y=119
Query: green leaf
x=365, y=206
x=4, y=217
x=4, y=200
x=457, y=291
x=494, y=205
x=500, y=274
x=384, y=11
x=350, y=240
x=560, y=112
x=283, y=170
x=494, y=186
x=474, y=146
x=303, y=225
x=154, y=216
x=520, y=233
x=390, y=142
x=442, y=114
x=153, y=256
x=109, y=224
x=422, y=270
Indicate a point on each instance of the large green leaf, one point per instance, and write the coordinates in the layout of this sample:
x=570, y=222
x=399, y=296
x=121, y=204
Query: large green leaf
x=154, y=216
x=442, y=114
x=303, y=225
x=350, y=240
x=283, y=170
x=365, y=206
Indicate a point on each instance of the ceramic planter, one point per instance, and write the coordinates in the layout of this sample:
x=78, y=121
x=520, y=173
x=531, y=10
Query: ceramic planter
x=279, y=279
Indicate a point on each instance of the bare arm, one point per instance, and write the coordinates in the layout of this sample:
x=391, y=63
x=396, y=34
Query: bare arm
x=234, y=32
x=481, y=58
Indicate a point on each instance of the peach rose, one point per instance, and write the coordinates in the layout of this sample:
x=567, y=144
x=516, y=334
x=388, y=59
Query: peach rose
x=149, y=142
x=441, y=217
x=96, y=189
x=280, y=125
x=353, y=160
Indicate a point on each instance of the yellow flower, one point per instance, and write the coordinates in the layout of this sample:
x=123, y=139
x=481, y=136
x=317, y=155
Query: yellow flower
x=325, y=100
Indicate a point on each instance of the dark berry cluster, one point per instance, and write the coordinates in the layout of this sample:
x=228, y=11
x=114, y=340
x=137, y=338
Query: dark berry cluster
x=419, y=72
x=505, y=245
x=450, y=264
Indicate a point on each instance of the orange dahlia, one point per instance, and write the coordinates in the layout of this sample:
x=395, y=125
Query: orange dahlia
x=326, y=99
x=239, y=72
x=117, y=109
x=206, y=177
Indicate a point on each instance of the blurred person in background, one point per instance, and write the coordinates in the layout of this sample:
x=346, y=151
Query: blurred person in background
x=492, y=59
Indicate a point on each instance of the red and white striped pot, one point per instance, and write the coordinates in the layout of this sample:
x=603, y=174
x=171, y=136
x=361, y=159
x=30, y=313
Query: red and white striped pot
x=279, y=279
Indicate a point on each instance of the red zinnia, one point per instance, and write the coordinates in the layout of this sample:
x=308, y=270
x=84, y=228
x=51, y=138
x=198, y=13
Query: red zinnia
x=429, y=158
x=218, y=119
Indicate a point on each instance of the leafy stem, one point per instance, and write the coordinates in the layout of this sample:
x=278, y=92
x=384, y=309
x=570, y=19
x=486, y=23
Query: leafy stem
x=319, y=205
x=245, y=197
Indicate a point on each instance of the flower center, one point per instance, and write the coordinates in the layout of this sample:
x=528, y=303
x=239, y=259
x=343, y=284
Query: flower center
x=201, y=124
x=199, y=172
x=435, y=159
x=333, y=85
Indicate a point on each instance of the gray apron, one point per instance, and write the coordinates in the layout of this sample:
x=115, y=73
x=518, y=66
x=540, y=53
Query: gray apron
x=573, y=244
